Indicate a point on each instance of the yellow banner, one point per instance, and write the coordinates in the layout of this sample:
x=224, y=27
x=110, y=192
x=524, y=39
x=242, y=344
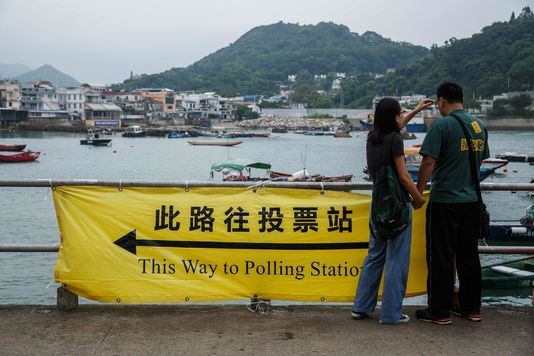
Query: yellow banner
x=152, y=245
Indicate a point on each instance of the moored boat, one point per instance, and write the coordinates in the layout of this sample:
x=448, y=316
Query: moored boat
x=178, y=134
x=240, y=169
x=413, y=162
x=27, y=156
x=214, y=143
x=515, y=157
x=134, y=131
x=12, y=148
x=303, y=176
x=515, y=274
x=416, y=124
x=342, y=134
x=94, y=138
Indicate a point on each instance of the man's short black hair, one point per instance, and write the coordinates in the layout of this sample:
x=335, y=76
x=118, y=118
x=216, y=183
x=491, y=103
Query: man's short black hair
x=451, y=92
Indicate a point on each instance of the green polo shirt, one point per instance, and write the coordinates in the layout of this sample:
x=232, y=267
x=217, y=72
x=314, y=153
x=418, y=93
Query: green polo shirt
x=451, y=179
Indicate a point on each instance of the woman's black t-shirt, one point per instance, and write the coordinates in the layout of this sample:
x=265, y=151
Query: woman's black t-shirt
x=375, y=154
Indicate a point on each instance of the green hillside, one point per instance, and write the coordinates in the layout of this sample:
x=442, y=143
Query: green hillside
x=498, y=59
x=263, y=58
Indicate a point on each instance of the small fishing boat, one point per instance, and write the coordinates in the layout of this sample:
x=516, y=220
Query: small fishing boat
x=27, y=156
x=342, y=134
x=513, y=232
x=515, y=274
x=12, y=148
x=303, y=176
x=178, y=134
x=134, y=131
x=96, y=138
x=214, y=143
x=515, y=157
x=413, y=162
x=416, y=124
x=240, y=169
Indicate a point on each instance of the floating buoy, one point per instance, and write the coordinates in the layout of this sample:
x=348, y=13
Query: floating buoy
x=515, y=171
x=114, y=151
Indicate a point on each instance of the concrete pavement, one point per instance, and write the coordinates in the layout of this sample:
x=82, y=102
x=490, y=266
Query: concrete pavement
x=234, y=330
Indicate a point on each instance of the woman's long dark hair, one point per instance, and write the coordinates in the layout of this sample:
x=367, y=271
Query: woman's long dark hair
x=386, y=111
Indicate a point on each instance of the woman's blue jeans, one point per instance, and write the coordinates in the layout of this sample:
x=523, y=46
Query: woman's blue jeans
x=395, y=255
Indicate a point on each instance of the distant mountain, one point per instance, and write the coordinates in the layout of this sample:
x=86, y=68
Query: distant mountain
x=263, y=58
x=47, y=72
x=8, y=71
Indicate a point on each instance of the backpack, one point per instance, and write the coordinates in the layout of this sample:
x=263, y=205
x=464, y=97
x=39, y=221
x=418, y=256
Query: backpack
x=390, y=213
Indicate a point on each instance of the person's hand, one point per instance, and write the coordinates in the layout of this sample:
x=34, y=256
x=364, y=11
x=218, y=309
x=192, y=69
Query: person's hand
x=423, y=104
x=418, y=202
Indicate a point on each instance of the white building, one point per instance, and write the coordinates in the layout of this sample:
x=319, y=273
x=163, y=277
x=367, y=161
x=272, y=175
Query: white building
x=72, y=100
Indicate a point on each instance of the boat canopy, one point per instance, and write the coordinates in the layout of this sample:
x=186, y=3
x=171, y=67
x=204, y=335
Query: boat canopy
x=238, y=164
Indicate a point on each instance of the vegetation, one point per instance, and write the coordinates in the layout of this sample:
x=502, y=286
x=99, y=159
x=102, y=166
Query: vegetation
x=498, y=59
x=243, y=112
x=515, y=106
x=262, y=59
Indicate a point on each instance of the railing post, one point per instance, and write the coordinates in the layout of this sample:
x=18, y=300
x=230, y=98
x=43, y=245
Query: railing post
x=66, y=300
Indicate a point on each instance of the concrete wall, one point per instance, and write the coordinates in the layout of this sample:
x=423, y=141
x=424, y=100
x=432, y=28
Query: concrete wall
x=510, y=123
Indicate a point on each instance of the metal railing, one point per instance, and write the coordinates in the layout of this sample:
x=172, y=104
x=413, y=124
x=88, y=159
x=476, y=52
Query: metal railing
x=323, y=186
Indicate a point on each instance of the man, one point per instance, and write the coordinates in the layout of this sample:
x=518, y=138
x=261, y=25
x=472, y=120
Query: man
x=452, y=214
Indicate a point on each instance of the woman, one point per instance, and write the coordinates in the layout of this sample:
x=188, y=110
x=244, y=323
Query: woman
x=389, y=119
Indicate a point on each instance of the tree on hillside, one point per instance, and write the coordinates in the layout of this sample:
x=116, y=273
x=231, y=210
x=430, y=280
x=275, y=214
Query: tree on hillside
x=322, y=102
x=526, y=12
x=244, y=112
x=520, y=102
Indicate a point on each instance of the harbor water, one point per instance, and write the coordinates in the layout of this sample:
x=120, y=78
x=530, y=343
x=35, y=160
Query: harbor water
x=28, y=214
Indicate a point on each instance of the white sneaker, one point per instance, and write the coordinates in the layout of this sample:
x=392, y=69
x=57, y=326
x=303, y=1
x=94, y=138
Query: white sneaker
x=403, y=320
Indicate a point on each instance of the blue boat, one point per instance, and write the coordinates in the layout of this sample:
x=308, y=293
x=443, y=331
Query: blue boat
x=484, y=172
x=416, y=124
x=178, y=134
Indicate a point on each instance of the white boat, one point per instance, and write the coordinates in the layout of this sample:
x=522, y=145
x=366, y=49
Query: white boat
x=134, y=131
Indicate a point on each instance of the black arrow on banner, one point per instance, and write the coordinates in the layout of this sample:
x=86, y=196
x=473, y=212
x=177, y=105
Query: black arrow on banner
x=129, y=242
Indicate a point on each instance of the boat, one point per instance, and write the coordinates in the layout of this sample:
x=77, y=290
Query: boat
x=12, y=148
x=96, y=138
x=260, y=134
x=303, y=176
x=513, y=232
x=515, y=157
x=342, y=134
x=278, y=130
x=515, y=274
x=178, y=134
x=214, y=143
x=483, y=174
x=27, y=156
x=413, y=162
x=239, y=169
x=366, y=124
x=134, y=131
x=494, y=163
x=416, y=124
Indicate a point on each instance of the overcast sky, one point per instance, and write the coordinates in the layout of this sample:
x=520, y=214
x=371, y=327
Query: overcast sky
x=100, y=41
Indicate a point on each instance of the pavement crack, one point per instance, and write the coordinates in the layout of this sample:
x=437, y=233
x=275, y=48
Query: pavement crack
x=104, y=338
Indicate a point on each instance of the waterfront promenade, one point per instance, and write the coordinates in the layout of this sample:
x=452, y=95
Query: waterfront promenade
x=234, y=330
